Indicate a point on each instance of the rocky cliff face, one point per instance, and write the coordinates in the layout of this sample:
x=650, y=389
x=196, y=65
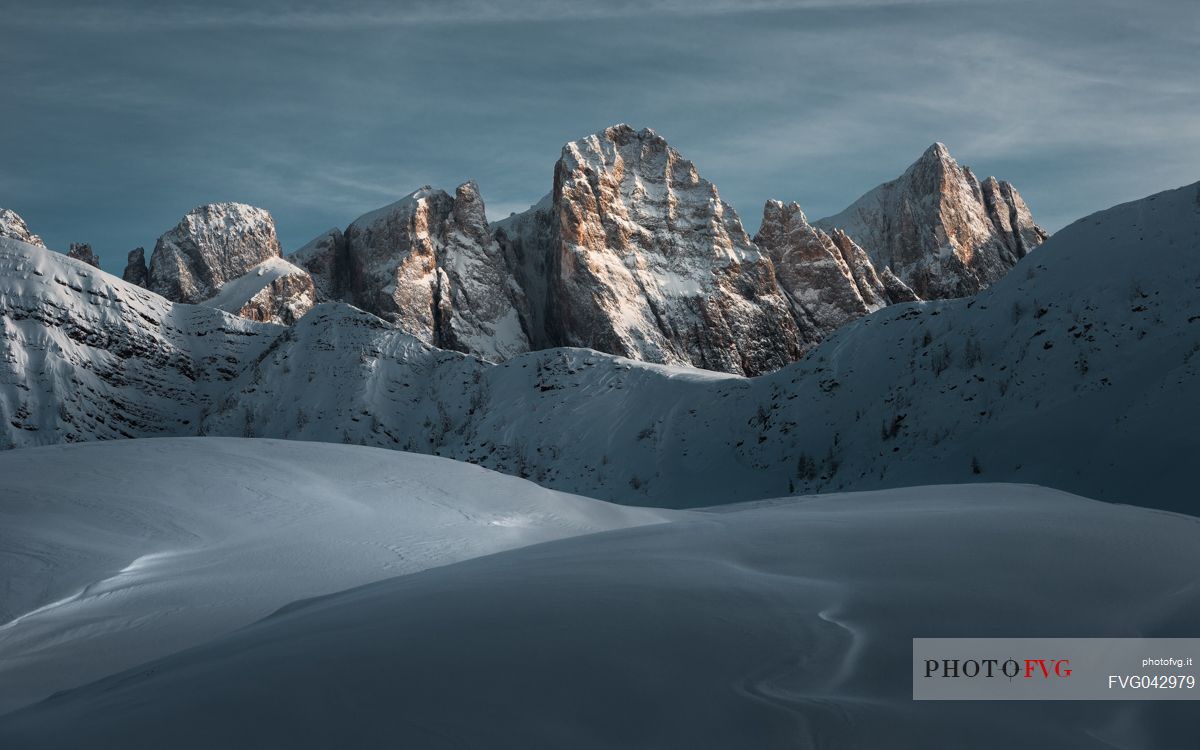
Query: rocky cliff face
x=639, y=256
x=14, y=227
x=940, y=230
x=213, y=244
x=429, y=264
x=83, y=251
x=829, y=280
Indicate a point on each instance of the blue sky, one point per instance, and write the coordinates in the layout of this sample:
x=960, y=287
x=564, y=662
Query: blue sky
x=119, y=117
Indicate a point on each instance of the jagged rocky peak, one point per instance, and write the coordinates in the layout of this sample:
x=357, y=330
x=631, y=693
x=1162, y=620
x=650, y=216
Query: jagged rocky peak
x=829, y=280
x=83, y=251
x=941, y=231
x=12, y=225
x=643, y=259
x=211, y=245
x=136, y=271
x=429, y=264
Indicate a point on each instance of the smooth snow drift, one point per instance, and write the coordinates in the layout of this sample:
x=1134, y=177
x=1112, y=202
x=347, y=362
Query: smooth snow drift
x=112, y=554
x=783, y=624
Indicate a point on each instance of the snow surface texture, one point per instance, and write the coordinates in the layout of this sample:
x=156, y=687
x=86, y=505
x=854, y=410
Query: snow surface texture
x=1078, y=370
x=118, y=553
x=939, y=229
x=783, y=624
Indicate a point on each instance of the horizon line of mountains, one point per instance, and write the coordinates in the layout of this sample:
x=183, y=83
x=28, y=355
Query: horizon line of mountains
x=632, y=253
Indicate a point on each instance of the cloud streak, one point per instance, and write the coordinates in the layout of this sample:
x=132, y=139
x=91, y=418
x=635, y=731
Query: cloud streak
x=127, y=17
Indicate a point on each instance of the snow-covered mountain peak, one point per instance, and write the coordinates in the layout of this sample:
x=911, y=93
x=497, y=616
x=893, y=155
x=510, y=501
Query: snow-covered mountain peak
x=429, y=264
x=639, y=257
x=14, y=227
x=212, y=244
x=939, y=230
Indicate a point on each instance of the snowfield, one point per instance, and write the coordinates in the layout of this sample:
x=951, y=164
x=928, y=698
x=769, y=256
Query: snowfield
x=113, y=554
x=778, y=624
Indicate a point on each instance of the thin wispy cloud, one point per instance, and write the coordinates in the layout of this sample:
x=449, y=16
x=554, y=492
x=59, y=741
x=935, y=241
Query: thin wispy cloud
x=125, y=17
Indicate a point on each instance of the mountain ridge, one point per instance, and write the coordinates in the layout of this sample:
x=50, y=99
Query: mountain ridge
x=1088, y=351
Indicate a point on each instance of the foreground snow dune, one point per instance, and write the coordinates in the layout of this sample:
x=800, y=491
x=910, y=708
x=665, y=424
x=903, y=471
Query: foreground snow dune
x=780, y=624
x=112, y=554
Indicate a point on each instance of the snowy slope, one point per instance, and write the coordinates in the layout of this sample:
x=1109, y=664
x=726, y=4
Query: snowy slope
x=117, y=553
x=779, y=625
x=86, y=356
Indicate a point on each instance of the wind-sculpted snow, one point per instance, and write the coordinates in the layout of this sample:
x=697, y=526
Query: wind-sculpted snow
x=1078, y=370
x=114, y=554
x=939, y=229
x=784, y=624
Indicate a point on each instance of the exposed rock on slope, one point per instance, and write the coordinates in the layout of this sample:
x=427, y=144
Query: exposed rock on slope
x=429, y=264
x=13, y=226
x=83, y=251
x=939, y=230
x=136, y=271
x=643, y=259
x=274, y=291
x=213, y=244
x=829, y=280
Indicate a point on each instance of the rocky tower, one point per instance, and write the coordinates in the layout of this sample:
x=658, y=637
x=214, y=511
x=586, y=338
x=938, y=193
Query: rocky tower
x=136, y=271
x=829, y=280
x=635, y=254
x=429, y=264
x=83, y=251
x=12, y=225
x=938, y=229
x=211, y=245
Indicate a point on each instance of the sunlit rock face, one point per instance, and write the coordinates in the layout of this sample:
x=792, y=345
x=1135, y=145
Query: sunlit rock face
x=430, y=265
x=211, y=245
x=941, y=231
x=274, y=291
x=829, y=280
x=14, y=227
x=635, y=254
